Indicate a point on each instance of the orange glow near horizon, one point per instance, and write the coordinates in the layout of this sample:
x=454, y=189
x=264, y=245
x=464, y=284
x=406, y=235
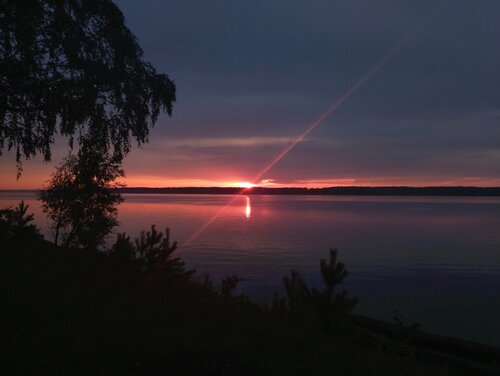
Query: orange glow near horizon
x=424, y=181
x=172, y=182
x=28, y=182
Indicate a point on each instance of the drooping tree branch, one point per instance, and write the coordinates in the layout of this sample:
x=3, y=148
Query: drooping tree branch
x=73, y=67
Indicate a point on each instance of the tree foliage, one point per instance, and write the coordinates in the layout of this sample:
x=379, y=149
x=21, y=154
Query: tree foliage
x=153, y=247
x=228, y=284
x=15, y=223
x=73, y=67
x=81, y=199
x=152, y=251
x=320, y=304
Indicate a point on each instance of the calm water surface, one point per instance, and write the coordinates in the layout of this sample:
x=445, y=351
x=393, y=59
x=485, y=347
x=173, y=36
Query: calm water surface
x=436, y=260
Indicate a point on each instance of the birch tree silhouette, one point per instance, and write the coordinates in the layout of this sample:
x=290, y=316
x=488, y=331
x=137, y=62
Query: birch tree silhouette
x=72, y=67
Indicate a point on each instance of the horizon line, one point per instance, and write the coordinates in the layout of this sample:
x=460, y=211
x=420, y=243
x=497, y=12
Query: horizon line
x=286, y=187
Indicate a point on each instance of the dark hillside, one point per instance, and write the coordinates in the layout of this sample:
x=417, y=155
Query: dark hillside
x=63, y=311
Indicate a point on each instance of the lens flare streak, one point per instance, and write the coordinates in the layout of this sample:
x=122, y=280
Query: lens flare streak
x=349, y=92
x=304, y=134
x=329, y=111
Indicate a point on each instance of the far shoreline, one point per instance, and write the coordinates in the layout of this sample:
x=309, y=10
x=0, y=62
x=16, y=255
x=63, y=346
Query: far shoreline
x=452, y=191
x=329, y=191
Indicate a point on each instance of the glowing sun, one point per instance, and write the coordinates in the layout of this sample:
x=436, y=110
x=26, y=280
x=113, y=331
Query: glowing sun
x=245, y=184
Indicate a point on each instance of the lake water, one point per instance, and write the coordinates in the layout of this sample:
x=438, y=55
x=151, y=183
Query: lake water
x=436, y=260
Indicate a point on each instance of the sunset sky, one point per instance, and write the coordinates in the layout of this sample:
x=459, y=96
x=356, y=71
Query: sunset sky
x=251, y=76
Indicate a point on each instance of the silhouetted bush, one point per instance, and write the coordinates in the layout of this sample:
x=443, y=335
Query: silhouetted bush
x=15, y=224
x=153, y=247
x=150, y=252
x=300, y=300
x=123, y=249
x=306, y=303
x=228, y=285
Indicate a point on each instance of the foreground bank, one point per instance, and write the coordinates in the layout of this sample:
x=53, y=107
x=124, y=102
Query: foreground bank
x=70, y=311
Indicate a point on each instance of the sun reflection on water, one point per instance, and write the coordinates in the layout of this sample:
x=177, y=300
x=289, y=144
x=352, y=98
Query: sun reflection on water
x=248, y=208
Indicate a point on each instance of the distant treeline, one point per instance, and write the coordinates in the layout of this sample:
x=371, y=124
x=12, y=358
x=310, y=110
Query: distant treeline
x=357, y=191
